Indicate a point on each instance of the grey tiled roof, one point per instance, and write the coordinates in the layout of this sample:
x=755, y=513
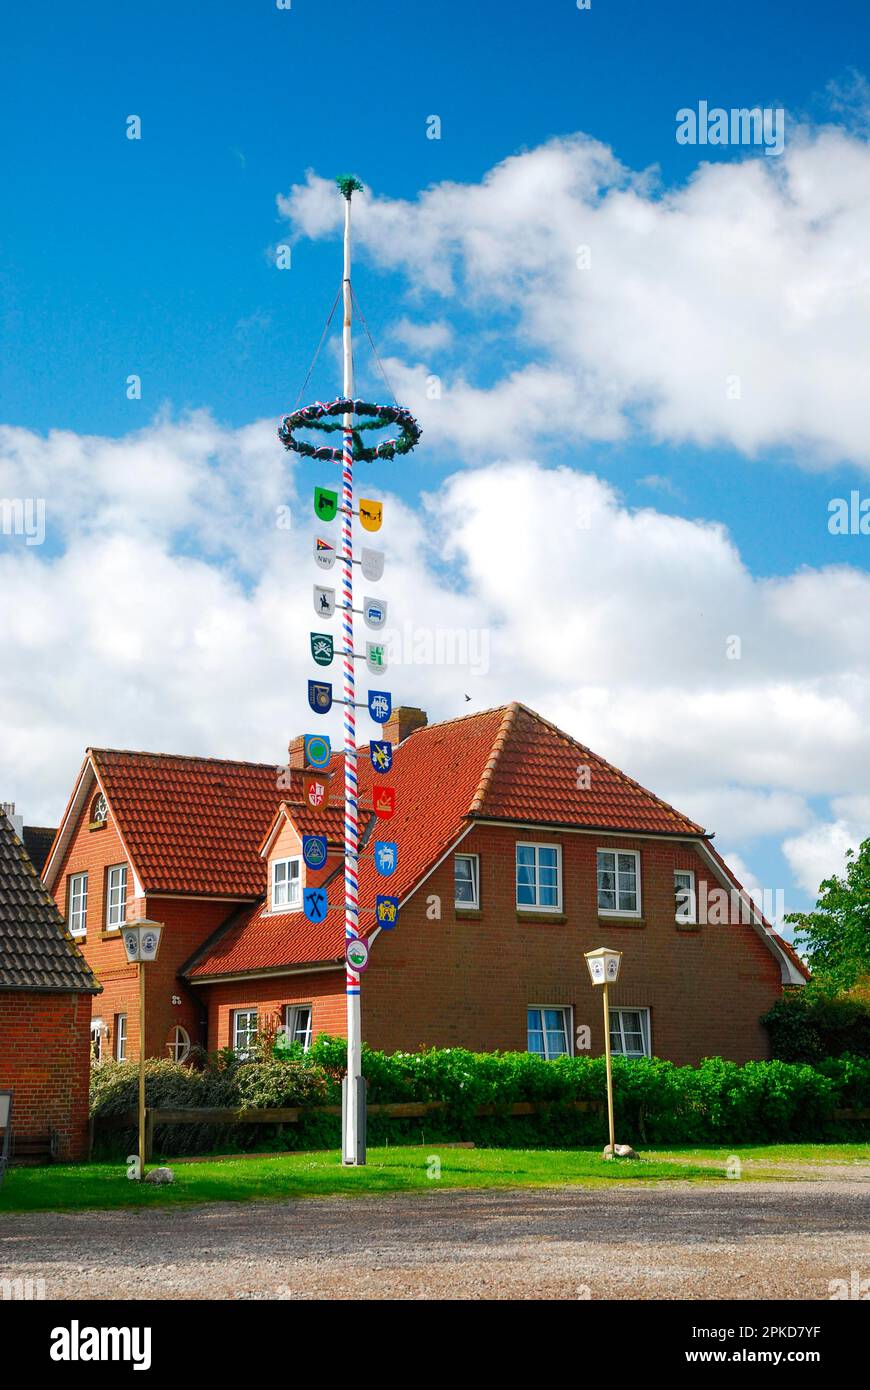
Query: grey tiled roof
x=38, y=840
x=36, y=953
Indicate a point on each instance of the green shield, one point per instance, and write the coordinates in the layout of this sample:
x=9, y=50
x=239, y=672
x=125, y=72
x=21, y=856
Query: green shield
x=325, y=503
x=321, y=648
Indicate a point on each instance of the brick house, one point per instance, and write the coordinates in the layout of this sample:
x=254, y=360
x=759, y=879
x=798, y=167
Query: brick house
x=518, y=849
x=46, y=988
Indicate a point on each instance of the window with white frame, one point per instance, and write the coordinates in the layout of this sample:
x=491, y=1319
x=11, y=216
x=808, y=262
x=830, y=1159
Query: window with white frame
x=244, y=1031
x=684, y=896
x=179, y=1043
x=539, y=877
x=297, y=1024
x=116, y=896
x=77, y=904
x=619, y=882
x=120, y=1037
x=286, y=883
x=548, y=1031
x=466, y=877
x=629, y=1032
x=99, y=810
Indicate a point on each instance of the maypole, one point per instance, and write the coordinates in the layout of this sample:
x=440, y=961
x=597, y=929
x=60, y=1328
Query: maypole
x=318, y=754
x=353, y=1109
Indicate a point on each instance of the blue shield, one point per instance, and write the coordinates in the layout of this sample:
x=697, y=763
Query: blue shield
x=380, y=705
x=386, y=857
x=314, y=850
x=381, y=754
x=320, y=696
x=386, y=911
x=314, y=902
x=318, y=750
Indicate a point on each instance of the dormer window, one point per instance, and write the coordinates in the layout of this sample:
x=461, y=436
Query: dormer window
x=99, y=811
x=286, y=883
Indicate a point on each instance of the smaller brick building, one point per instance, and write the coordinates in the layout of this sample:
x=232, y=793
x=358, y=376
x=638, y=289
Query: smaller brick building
x=45, y=1008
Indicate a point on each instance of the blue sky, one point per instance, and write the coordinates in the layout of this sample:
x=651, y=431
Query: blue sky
x=157, y=257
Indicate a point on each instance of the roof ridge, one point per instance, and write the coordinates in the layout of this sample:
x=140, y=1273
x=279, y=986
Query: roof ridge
x=457, y=719
x=180, y=757
x=508, y=720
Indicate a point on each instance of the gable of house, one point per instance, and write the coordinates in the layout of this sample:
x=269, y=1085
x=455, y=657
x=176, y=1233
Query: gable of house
x=189, y=826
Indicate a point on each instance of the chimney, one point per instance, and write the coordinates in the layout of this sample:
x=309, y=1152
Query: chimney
x=296, y=752
x=403, y=721
x=17, y=821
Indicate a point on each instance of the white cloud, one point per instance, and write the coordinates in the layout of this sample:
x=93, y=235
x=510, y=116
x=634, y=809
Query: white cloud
x=182, y=625
x=423, y=337
x=821, y=850
x=741, y=814
x=753, y=272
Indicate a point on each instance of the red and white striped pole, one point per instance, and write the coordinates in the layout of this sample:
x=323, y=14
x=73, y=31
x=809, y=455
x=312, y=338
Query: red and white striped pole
x=353, y=1138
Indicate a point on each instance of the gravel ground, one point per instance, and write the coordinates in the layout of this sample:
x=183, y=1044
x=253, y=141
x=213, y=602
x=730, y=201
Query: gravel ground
x=733, y=1240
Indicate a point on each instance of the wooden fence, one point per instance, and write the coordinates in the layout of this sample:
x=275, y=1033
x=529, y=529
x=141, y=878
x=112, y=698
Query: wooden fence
x=398, y=1110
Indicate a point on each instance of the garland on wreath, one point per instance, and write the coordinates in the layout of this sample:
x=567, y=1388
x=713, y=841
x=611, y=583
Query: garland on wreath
x=316, y=417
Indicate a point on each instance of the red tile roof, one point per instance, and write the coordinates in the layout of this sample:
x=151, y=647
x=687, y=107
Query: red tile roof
x=506, y=764
x=533, y=775
x=191, y=825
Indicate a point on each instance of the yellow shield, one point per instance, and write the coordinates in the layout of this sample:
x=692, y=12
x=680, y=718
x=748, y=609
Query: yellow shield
x=371, y=514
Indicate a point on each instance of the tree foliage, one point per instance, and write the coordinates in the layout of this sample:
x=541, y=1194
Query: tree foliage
x=836, y=933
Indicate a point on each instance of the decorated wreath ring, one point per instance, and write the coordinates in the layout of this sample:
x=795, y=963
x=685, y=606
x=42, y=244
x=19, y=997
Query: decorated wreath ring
x=317, y=417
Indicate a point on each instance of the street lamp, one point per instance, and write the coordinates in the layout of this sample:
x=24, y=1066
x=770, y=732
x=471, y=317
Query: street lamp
x=141, y=942
x=604, y=969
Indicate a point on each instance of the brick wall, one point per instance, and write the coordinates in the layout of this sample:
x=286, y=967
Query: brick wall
x=468, y=979
x=323, y=990
x=45, y=1059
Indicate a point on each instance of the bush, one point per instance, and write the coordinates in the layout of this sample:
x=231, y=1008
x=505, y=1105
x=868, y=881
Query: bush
x=656, y=1102
x=807, y=1026
x=280, y=1084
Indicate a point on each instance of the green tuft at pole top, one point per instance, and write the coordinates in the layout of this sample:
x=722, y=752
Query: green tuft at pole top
x=349, y=184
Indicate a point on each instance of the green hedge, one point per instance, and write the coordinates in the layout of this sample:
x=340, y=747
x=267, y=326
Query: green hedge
x=807, y=1026
x=656, y=1102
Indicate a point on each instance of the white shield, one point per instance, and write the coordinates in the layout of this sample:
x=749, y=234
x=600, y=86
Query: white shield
x=374, y=611
x=372, y=563
x=324, y=601
x=376, y=657
x=324, y=553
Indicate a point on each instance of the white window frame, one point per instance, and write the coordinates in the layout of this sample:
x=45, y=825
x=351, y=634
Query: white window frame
x=645, y=1031
x=121, y=904
x=291, y=903
x=537, y=906
x=618, y=911
x=237, y=1014
x=291, y=1021
x=179, y=1047
x=567, y=1013
x=77, y=915
x=680, y=913
x=120, y=1037
x=474, y=861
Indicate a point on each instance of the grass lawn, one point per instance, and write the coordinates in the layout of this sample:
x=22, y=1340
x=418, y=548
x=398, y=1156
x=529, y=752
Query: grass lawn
x=396, y=1169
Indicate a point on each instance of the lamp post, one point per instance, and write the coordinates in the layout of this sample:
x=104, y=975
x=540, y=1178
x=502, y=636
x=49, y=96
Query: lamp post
x=141, y=943
x=604, y=969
